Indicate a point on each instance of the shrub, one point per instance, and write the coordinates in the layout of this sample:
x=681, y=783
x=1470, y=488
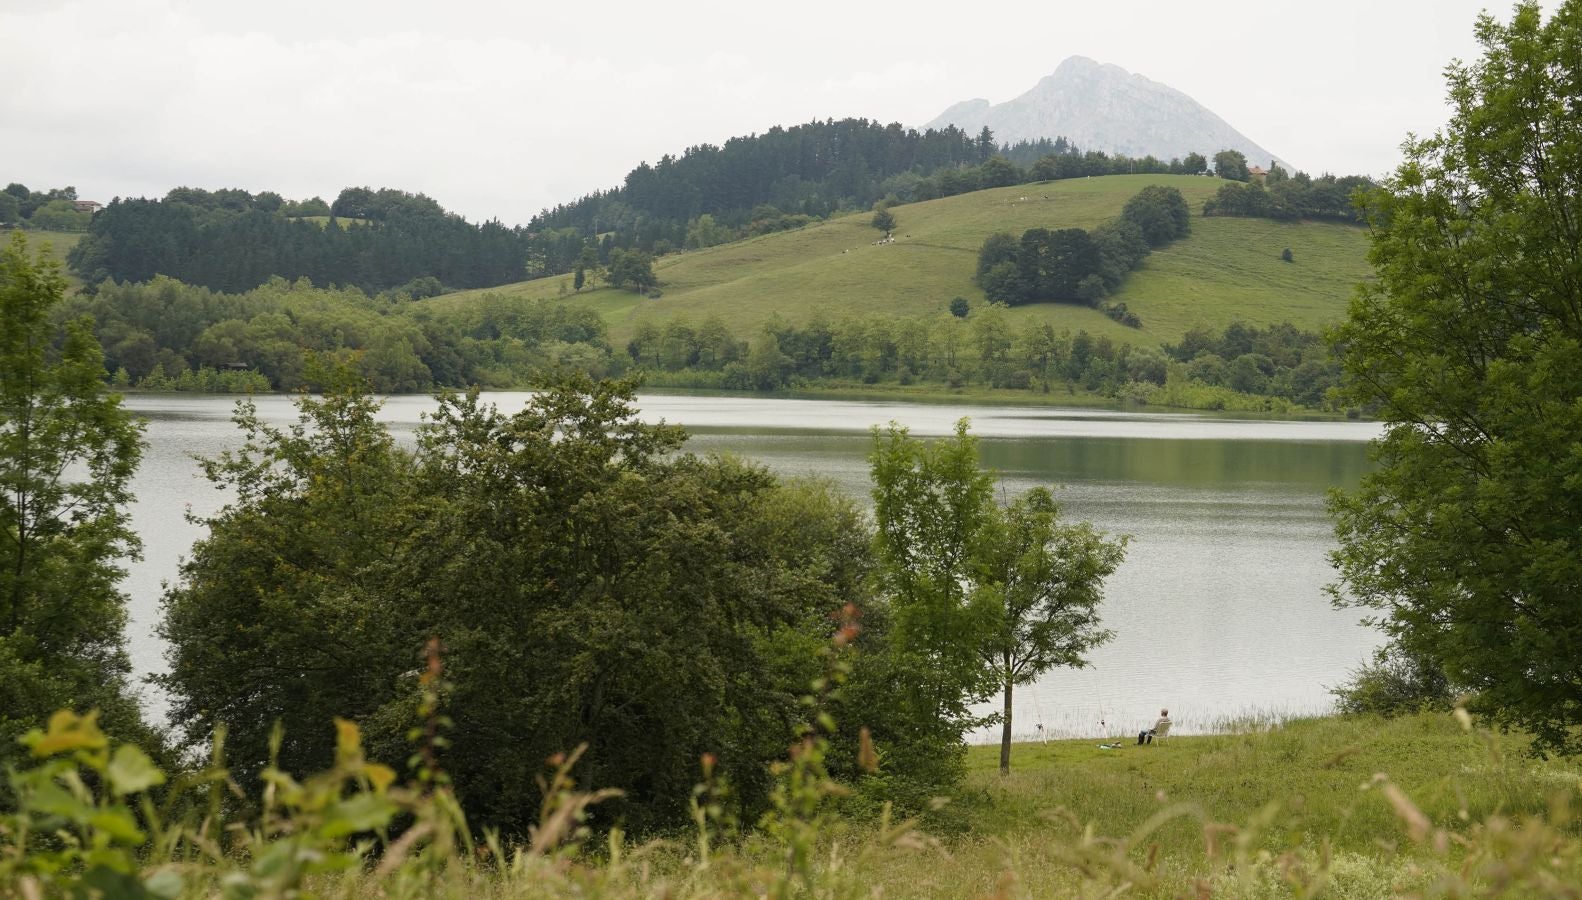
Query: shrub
x=1395, y=683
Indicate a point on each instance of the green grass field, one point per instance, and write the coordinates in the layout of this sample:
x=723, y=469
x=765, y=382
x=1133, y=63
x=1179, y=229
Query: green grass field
x=1304, y=788
x=55, y=245
x=1228, y=269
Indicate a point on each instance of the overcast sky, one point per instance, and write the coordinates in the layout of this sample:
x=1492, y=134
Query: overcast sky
x=498, y=109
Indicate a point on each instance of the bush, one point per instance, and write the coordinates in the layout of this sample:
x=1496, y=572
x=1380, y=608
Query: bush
x=1395, y=683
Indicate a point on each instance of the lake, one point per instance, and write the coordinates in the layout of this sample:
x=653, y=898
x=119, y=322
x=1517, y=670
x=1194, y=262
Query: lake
x=1219, y=610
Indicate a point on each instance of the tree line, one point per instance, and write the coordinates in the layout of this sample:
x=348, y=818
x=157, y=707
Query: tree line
x=1290, y=197
x=231, y=240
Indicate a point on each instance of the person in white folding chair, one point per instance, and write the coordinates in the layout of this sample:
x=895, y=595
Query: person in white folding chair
x=1160, y=730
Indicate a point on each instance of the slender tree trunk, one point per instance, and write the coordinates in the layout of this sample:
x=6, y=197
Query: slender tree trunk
x=1005, y=732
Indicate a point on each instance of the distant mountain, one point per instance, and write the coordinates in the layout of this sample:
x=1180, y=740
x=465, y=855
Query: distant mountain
x=1103, y=107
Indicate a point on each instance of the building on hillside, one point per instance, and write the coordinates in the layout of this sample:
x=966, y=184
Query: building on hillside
x=88, y=206
x=1257, y=174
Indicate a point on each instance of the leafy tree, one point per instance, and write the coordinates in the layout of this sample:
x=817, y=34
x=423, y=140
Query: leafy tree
x=1231, y=165
x=883, y=219
x=1000, y=247
x=1160, y=213
x=959, y=307
x=1045, y=579
x=998, y=171
x=1469, y=345
x=631, y=267
x=1194, y=163
x=67, y=454
x=59, y=215
x=932, y=506
x=10, y=208
x=1054, y=263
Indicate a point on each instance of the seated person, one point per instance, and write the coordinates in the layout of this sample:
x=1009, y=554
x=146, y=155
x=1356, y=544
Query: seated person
x=1147, y=737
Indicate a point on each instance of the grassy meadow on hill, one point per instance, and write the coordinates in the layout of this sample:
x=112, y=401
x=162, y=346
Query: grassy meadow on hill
x=1227, y=270
x=55, y=245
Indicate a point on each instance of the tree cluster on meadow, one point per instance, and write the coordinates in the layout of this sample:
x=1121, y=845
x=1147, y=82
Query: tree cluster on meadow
x=1074, y=265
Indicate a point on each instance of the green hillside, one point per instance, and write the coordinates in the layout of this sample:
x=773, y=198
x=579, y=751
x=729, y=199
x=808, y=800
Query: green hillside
x=55, y=245
x=1228, y=269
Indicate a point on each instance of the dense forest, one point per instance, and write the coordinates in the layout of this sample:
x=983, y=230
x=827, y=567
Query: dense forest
x=232, y=240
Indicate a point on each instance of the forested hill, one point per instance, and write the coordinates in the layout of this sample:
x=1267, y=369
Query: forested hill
x=232, y=240
x=787, y=176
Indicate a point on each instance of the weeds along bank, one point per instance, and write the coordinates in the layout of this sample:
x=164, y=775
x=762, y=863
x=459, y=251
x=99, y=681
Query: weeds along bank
x=1419, y=806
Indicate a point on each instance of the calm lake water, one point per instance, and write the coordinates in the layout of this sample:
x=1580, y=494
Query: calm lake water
x=1219, y=610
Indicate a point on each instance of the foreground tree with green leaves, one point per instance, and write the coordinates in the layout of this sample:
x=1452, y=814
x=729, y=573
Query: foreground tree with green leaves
x=588, y=583
x=981, y=598
x=1046, y=579
x=67, y=454
x=1469, y=344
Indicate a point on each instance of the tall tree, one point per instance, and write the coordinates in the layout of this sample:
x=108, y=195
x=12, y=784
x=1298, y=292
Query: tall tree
x=1046, y=580
x=67, y=454
x=1469, y=344
x=932, y=504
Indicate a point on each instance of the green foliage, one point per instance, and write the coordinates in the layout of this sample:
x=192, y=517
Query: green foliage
x=1470, y=347
x=1231, y=165
x=959, y=307
x=932, y=507
x=589, y=585
x=1073, y=265
x=1160, y=213
x=883, y=219
x=59, y=215
x=1290, y=199
x=233, y=241
x=172, y=336
x=631, y=267
x=1395, y=684
x=1045, y=579
x=1281, y=361
x=67, y=454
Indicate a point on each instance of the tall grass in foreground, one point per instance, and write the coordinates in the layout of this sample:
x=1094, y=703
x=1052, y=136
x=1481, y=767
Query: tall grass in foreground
x=1305, y=809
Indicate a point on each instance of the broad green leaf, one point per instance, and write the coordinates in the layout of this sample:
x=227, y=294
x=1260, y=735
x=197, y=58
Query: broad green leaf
x=363, y=812
x=131, y=771
x=118, y=824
